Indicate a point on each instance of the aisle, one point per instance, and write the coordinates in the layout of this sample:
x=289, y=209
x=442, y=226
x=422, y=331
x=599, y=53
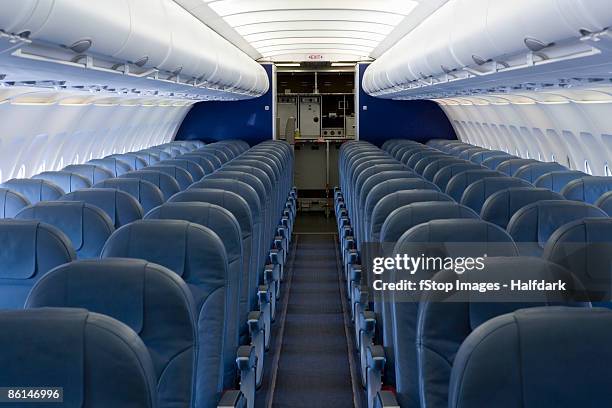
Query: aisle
x=313, y=369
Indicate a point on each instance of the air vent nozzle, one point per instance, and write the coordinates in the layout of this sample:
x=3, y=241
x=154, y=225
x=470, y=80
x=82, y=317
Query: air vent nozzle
x=536, y=45
x=81, y=46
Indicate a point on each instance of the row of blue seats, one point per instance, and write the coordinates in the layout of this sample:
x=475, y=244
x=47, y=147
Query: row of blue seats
x=418, y=197
x=187, y=252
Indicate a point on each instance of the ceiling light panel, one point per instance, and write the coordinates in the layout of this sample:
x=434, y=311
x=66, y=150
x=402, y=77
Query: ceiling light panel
x=305, y=26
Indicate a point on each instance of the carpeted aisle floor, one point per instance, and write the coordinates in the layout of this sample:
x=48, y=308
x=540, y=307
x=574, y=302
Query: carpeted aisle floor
x=313, y=369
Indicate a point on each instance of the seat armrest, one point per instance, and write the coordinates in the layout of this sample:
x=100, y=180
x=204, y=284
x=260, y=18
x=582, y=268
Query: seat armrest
x=375, y=355
x=355, y=273
x=246, y=361
x=257, y=331
x=369, y=321
x=232, y=399
x=386, y=399
x=246, y=357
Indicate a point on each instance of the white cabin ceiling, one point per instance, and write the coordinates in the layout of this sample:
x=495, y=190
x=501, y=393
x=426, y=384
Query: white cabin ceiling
x=294, y=30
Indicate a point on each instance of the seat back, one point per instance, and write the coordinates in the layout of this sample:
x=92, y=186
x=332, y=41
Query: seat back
x=34, y=190
x=196, y=254
x=182, y=176
x=511, y=166
x=117, y=167
x=533, y=224
x=477, y=193
x=441, y=238
x=468, y=153
x=150, y=158
x=66, y=180
x=135, y=161
x=201, y=161
x=482, y=155
x=147, y=194
x=556, y=180
x=584, y=247
x=121, y=207
x=527, y=345
x=195, y=170
x=432, y=168
x=444, y=325
x=460, y=182
x=587, y=189
x=96, y=360
x=502, y=205
x=494, y=161
x=87, y=226
x=151, y=300
x=11, y=203
x=214, y=160
x=391, y=202
x=605, y=202
x=28, y=250
x=166, y=183
x=446, y=173
x=91, y=172
x=532, y=171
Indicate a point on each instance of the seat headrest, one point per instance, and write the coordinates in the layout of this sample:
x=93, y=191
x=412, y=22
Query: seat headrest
x=91, y=172
x=118, y=205
x=232, y=202
x=587, y=189
x=432, y=168
x=408, y=216
x=149, y=157
x=237, y=187
x=195, y=170
x=34, y=190
x=18, y=248
x=133, y=160
x=190, y=250
x=556, y=180
x=201, y=161
x=212, y=216
x=476, y=193
x=444, y=175
x=397, y=184
x=510, y=166
x=113, y=165
x=532, y=171
x=147, y=193
x=502, y=205
x=166, y=183
x=70, y=348
x=524, y=347
x=467, y=153
x=11, y=203
x=482, y=155
x=66, y=180
x=494, y=161
x=182, y=176
x=488, y=238
x=460, y=182
x=605, y=202
x=537, y=221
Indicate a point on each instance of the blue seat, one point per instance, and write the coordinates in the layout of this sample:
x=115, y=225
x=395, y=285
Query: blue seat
x=482, y=155
x=457, y=149
x=34, y=190
x=494, y=161
x=444, y=326
x=87, y=226
x=502, y=205
x=511, y=166
x=223, y=223
x=11, y=203
x=418, y=156
x=442, y=238
x=66, y=180
x=159, y=152
x=132, y=159
x=556, y=180
x=524, y=347
x=381, y=190
x=214, y=160
x=182, y=176
x=201, y=161
x=147, y=194
x=117, y=167
x=432, y=168
x=166, y=183
x=446, y=173
x=390, y=202
x=150, y=158
x=91, y=172
x=532, y=171
x=422, y=164
x=468, y=153
x=96, y=360
x=121, y=207
x=28, y=250
x=460, y=182
x=195, y=170
x=151, y=300
x=478, y=192
x=532, y=225
x=584, y=247
x=605, y=202
x=587, y=189
x=197, y=255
